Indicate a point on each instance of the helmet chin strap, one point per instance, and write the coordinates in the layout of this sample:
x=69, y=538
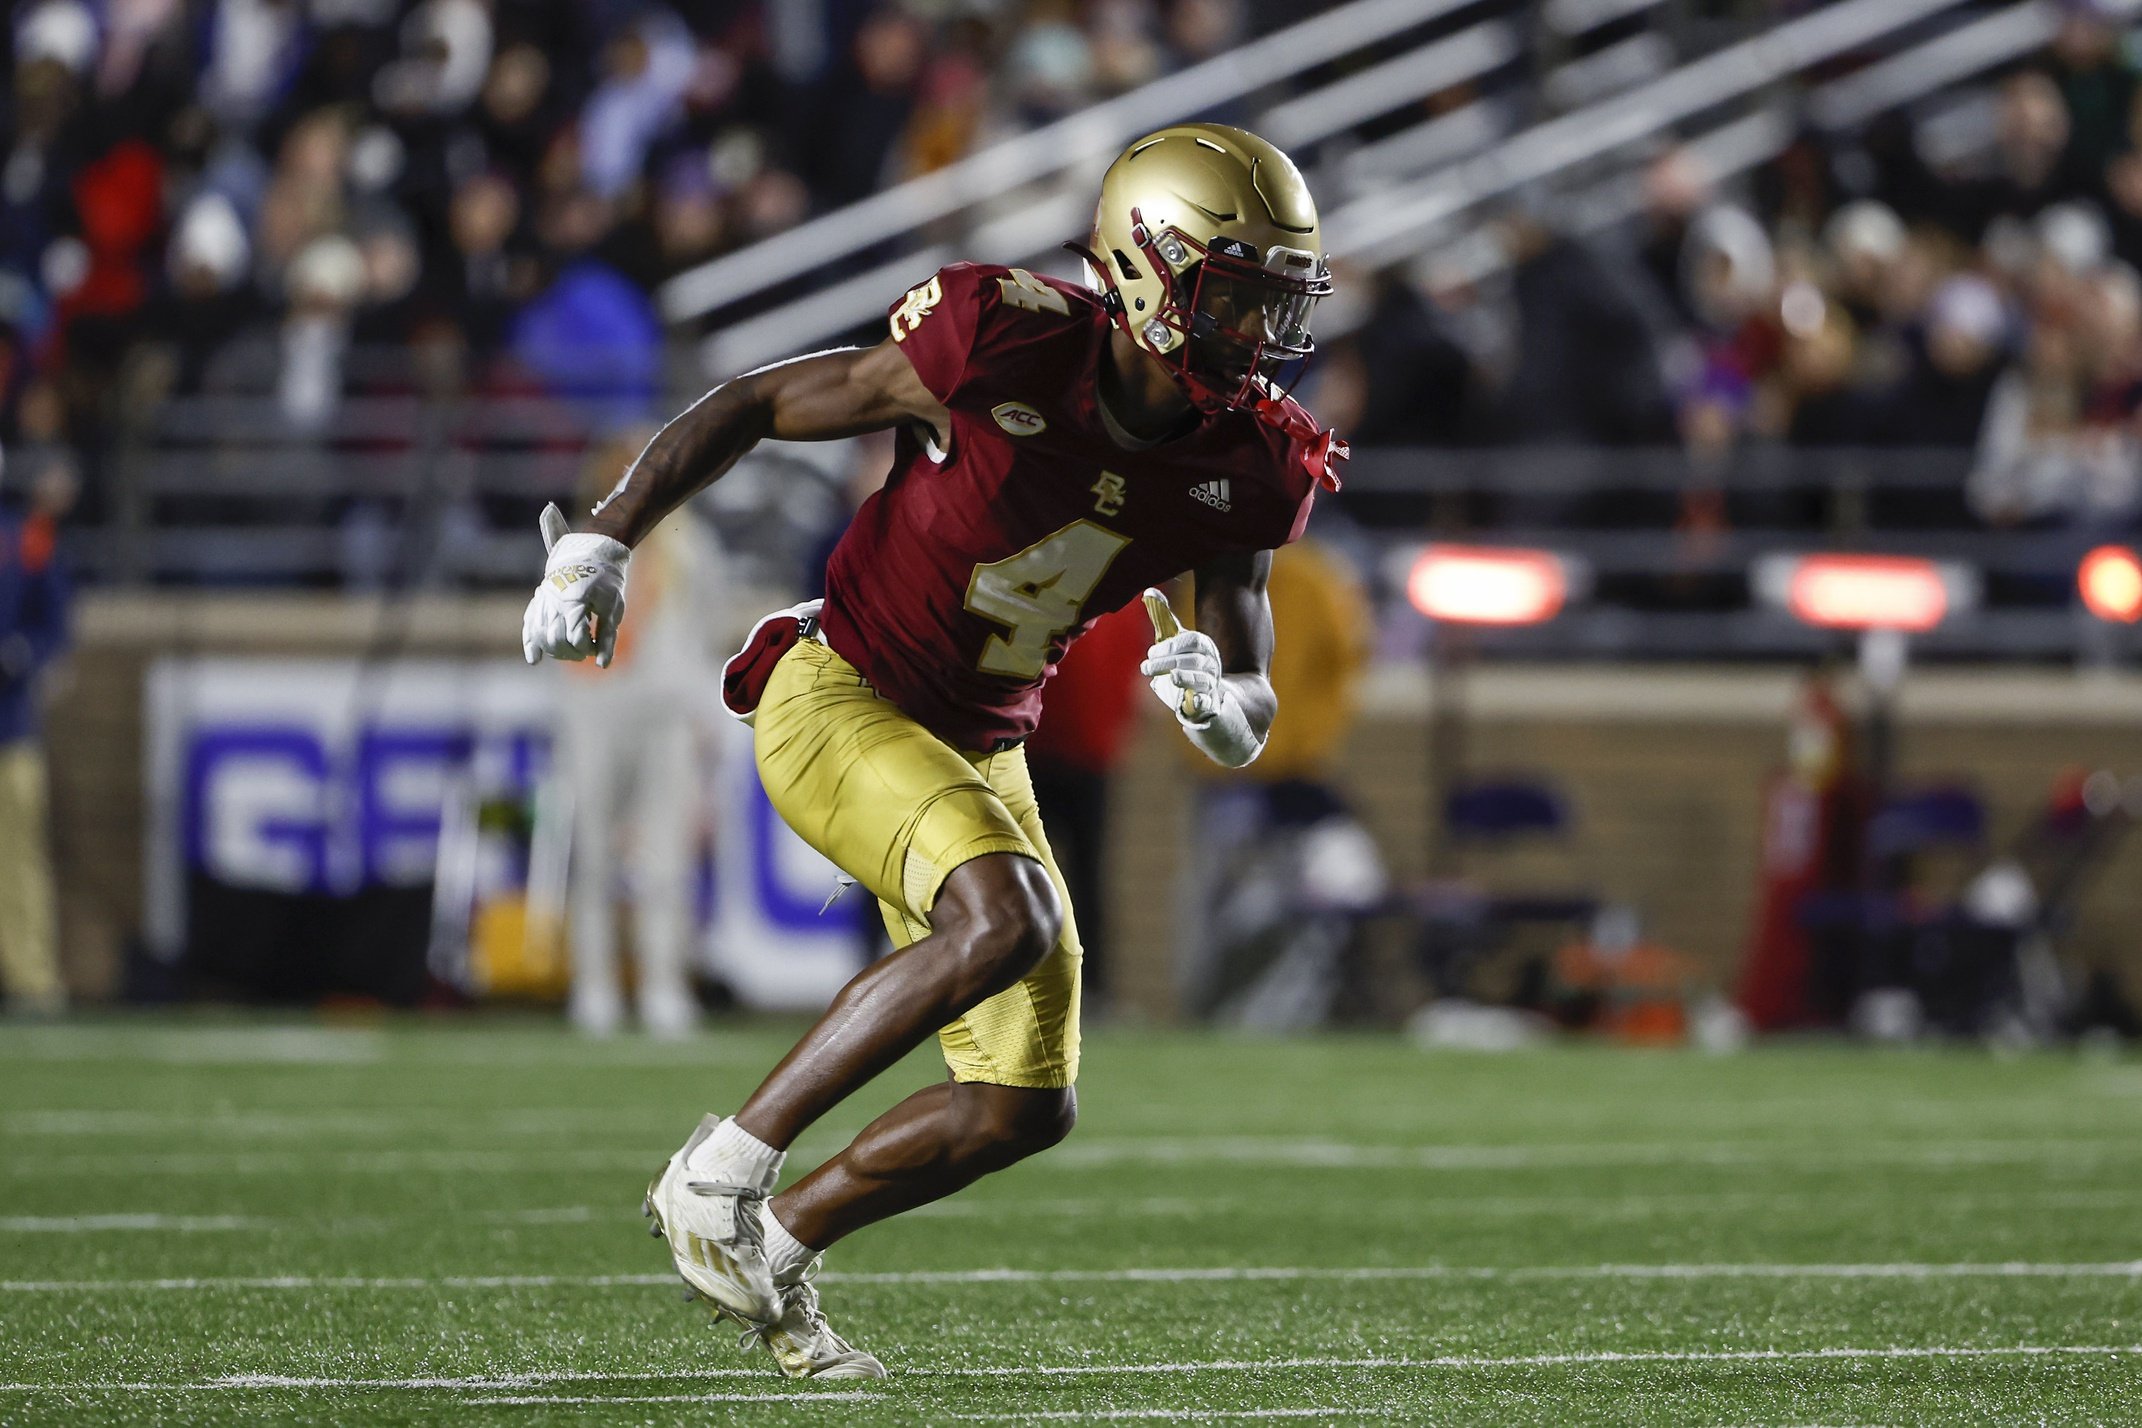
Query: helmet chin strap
x=1111, y=296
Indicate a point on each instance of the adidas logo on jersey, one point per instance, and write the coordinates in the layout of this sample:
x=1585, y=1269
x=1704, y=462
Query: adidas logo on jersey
x=1213, y=494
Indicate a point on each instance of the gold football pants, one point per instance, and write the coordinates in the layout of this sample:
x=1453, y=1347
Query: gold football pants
x=898, y=809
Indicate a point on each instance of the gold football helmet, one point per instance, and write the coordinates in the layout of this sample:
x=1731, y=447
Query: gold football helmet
x=1207, y=250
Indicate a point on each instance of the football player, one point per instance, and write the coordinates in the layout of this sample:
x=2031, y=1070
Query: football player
x=1060, y=449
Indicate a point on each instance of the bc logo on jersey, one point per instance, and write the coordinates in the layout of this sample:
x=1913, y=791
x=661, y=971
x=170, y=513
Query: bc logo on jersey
x=1112, y=493
x=1019, y=419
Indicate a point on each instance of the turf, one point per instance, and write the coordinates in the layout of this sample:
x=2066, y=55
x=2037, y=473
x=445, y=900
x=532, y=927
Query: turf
x=421, y=1223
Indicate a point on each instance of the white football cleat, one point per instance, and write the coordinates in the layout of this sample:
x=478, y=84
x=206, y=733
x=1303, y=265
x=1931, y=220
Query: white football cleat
x=804, y=1344
x=716, y=1239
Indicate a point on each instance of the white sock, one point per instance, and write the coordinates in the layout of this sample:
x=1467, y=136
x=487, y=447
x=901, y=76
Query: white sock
x=734, y=1154
x=786, y=1254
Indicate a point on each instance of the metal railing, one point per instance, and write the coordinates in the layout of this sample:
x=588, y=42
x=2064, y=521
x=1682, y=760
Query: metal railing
x=1054, y=182
x=1736, y=145
x=1079, y=138
x=1422, y=181
x=1399, y=225
x=397, y=493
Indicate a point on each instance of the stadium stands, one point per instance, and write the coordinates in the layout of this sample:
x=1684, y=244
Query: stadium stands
x=339, y=296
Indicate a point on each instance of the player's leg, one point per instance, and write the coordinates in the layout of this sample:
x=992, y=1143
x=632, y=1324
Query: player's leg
x=995, y=918
x=919, y=826
x=1014, y=1058
x=937, y=1141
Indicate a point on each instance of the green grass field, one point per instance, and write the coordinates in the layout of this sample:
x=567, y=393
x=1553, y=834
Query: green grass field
x=216, y=1221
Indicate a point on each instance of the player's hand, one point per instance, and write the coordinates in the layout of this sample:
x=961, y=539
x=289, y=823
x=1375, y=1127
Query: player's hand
x=1183, y=665
x=576, y=610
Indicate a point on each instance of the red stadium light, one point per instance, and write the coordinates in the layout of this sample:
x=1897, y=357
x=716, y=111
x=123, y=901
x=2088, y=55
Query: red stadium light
x=1487, y=585
x=1867, y=592
x=2110, y=579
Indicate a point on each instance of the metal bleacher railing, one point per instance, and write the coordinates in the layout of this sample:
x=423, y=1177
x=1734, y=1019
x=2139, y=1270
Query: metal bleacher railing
x=1404, y=193
x=1071, y=147
x=398, y=494
x=1730, y=147
x=224, y=490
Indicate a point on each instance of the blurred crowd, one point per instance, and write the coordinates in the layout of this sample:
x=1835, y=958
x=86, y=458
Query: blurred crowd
x=1972, y=287
x=306, y=200
x=258, y=196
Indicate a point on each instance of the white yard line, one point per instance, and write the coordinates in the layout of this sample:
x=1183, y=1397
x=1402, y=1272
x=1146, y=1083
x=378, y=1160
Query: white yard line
x=183, y=1124
x=532, y=1379
x=2012, y=1269
x=97, y=1224
x=338, y=1046
x=539, y=1156
x=1147, y=1207
x=134, y=1123
x=2116, y=1081
x=233, y=1045
x=347, y=1224
x=1594, y=1206
x=1219, y=1415
x=536, y=1158
x=1172, y=1415
x=1453, y=1362
x=313, y=1281
x=806, y=1398
x=2124, y=1269
x=560, y=1215
x=1082, y=1206
x=1348, y=1155
x=101, y=1122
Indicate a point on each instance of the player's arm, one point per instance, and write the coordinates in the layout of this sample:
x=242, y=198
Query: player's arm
x=576, y=609
x=1216, y=678
x=817, y=398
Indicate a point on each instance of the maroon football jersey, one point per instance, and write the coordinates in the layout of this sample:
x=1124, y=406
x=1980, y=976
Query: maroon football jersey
x=959, y=585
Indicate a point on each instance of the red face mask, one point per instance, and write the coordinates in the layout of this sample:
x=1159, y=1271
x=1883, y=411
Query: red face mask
x=1244, y=330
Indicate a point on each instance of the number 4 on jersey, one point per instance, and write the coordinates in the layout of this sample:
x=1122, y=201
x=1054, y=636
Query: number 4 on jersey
x=1038, y=593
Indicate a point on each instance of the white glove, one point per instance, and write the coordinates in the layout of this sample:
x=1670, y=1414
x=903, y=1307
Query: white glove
x=1185, y=671
x=1184, y=667
x=575, y=612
